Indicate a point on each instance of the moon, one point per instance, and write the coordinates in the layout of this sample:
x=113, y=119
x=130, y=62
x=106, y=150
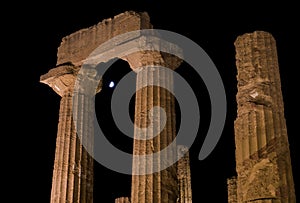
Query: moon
x=111, y=84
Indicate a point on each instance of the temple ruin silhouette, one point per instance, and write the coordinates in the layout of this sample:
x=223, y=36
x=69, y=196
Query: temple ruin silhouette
x=263, y=164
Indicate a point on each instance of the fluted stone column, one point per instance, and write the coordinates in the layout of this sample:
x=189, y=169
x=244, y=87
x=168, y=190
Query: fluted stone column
x=122, y=200
x=184, y=175
x=73, y=166
x=158, y=187
x=262, y=150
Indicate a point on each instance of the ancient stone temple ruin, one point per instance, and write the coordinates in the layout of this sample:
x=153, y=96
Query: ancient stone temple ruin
x=73, y=166
x=262, y=153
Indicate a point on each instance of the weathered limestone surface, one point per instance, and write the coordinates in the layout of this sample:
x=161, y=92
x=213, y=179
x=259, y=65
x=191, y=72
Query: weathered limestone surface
x=184, y=175
x=61, y=79
x=73, y=167
x=76, y=47
x=262, y=150
x=232, y=190
x=158, y=187
x=122, y=200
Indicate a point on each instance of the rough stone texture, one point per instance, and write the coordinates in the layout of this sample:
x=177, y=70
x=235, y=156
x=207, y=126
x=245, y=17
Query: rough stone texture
x=61, y=79
x=232, y=190
x=158, y=187
x=184, y=175
x=78, y=46
x=122, y=200
x=152, y=58
x=262, y=150
x=73, y=167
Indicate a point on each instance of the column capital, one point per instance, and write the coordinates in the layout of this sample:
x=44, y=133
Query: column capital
x=62, y=78
x=146, y=58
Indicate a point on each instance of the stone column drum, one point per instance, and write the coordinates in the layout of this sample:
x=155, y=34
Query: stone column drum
x=263, y=164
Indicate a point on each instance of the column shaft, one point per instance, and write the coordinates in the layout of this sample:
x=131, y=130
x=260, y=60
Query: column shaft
x=184, y=176
x=158, y=187
x=262, y=149
x=73, y=166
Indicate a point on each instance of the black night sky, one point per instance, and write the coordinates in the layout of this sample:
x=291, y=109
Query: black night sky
x=37, y=32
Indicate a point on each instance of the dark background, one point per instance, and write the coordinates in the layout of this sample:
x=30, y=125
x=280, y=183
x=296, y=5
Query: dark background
x=33, y=33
